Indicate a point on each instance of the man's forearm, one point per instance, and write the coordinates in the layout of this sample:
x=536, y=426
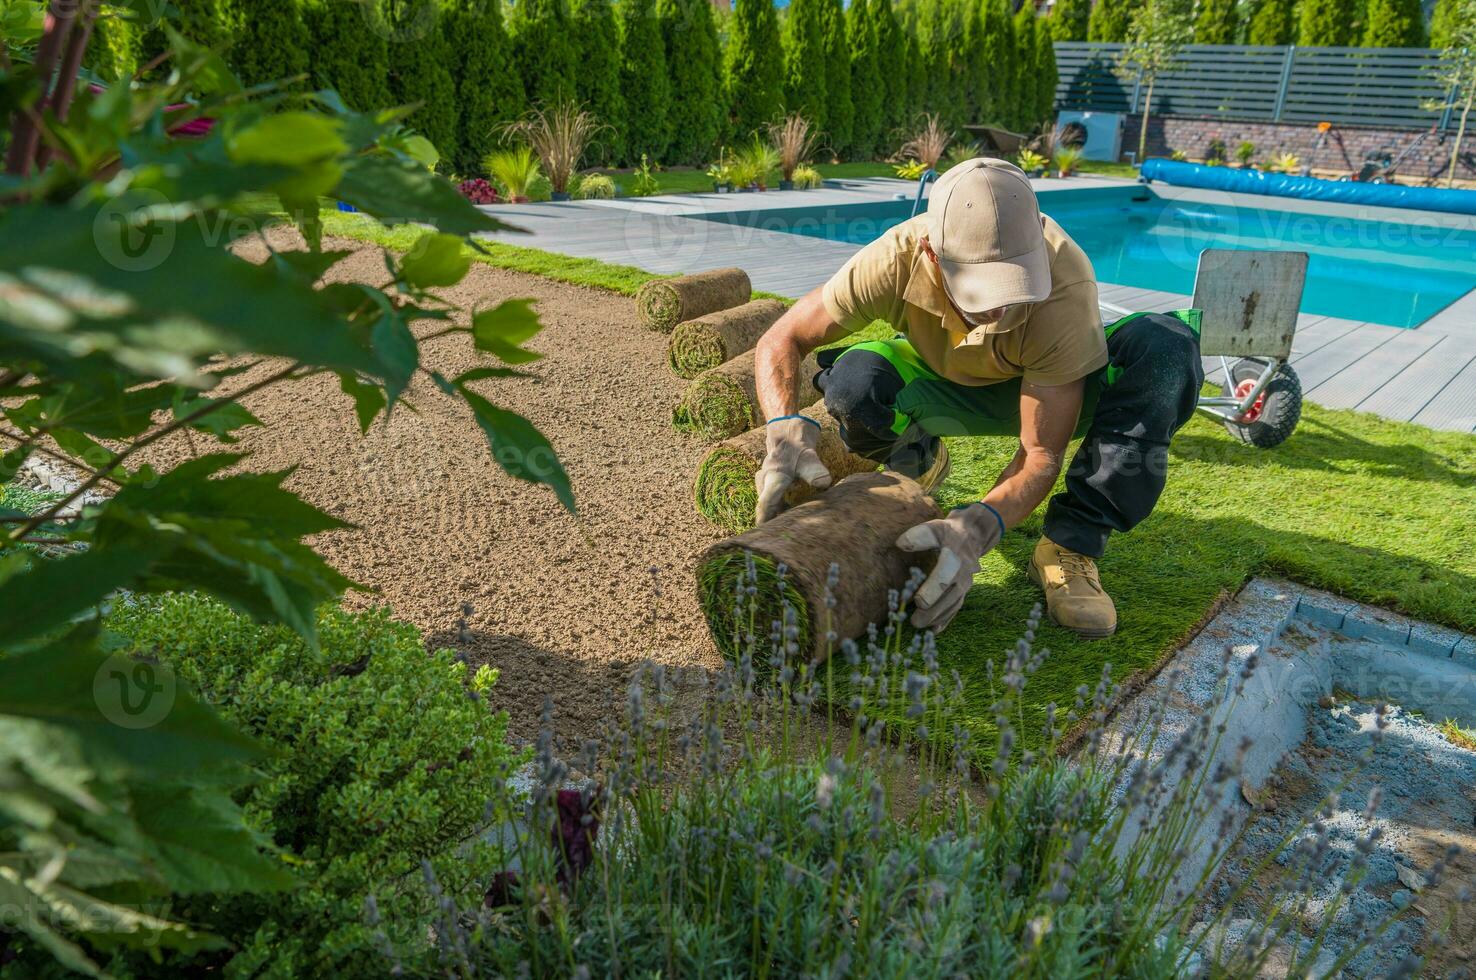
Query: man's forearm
x=779, y=353
x=1024, y=484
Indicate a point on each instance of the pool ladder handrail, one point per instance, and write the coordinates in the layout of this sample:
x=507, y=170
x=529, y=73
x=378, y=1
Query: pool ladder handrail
x=927, y=177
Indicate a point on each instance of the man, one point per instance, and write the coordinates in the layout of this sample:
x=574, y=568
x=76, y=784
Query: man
x=1000, y=334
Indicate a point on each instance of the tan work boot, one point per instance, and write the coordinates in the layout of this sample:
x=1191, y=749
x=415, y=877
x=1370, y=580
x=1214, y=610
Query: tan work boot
x=938, y=472
x=1073, y=590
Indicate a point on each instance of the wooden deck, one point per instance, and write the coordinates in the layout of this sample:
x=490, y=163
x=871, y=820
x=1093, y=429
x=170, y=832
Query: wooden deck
x=1425, y=375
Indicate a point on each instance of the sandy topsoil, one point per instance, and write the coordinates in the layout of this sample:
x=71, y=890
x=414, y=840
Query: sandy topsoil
x=563, y=605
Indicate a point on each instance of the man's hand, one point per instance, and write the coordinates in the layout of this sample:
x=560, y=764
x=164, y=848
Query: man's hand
x=961, y=539
x=791, y=456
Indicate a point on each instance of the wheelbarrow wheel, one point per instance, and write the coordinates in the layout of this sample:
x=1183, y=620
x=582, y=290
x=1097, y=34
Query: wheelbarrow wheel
x=1275, y=414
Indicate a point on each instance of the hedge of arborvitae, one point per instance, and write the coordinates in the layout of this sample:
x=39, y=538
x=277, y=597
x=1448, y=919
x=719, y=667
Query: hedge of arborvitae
x=658, y=74
x=1273, y=22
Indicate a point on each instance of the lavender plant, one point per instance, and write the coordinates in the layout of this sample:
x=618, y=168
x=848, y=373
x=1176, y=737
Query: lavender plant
x=806, y=818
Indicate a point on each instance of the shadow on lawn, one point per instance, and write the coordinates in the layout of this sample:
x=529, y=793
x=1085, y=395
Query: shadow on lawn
x=1318, y=445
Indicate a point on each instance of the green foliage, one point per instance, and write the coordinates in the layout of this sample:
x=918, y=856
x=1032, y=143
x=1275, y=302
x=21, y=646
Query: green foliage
x=1110, y=20
x=1445, y=22
x=1218, y=21
x=595, y=187
x=350, y=51
x=1028, y=80
x=754, y=163
x=378, y=757
x=489, y=93
x=999, y=52
x=643, y=182
x=867, y=88
x=643, y=80
x=1046, y=75
x=840, y=109
x=514, y=170
x=895, y=68
x=807, y=178
x=269, y=42
x=1394, y=24
x=116, y=41
x=754, y=79
x=597, y=82
x=1155, y=42
x=1326, y=23
x=1275, y=22
x=694, y=61
x=104, y=353
x=420, y=66
x=544, y=50
x=1069, y=20
x=805, y=72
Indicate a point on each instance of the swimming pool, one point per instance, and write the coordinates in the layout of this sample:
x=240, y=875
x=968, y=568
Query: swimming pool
x=1378, y=271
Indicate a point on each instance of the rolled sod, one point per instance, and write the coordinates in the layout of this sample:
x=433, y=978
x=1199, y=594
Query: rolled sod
x=724, y=490
x=704, y=342
x=723, y=402
x=855, y=524
x=663, y=303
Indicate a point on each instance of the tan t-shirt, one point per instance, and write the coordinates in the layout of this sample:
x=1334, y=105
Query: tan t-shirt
x=1049, y=343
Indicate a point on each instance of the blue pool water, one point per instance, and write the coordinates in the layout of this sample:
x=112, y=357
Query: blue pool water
x=1383, y=272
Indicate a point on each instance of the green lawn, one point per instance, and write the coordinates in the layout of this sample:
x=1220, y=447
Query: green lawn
x=687, y=180
x=1374, y=510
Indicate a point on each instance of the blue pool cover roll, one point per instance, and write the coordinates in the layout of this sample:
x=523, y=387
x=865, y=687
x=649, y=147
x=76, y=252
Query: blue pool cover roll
x=1309, y=188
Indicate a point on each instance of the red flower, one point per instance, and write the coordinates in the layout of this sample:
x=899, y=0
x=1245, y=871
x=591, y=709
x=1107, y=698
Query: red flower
x=573, y=838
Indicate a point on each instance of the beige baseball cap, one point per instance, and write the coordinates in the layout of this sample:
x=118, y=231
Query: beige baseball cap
x=984, y=226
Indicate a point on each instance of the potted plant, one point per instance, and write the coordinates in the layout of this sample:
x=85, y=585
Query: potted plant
x=594, y=187
x=643, y=182
x=478, y=190
x=559, y=135
x=515, y=170
x=807, y=178
x=1244, y=153
x=1032, y=163
x=793, y=142
x=1068, y=158
x=753, y=164
x=1214, y=153
x=910, y=169
x=1287, y=163
x=721, y=173
x=927, y=145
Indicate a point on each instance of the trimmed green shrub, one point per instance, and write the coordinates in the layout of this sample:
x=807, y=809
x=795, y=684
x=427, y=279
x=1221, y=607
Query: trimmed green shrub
x=1274, y=22
x=1444, y=23
x=420, y=70
x=1217, y=22
x=489, y=91
x=867, y=89
x=595, y=187
x=840, y=110
x=754, y=79
x=693, y=60
x=383, y=756
x=597, y=82
x=916, y=69
x=1069, y=19
x=1110, y=20
x=1027, y=74
x=897, y=109
x=997, y=100
x=643, y=81
x=1394, y=24
x=113, y=53
x=544, y=50
x=350, y=52
x=1326, y=23
x=805, y=75
x=1046, y=74
x=270, y=41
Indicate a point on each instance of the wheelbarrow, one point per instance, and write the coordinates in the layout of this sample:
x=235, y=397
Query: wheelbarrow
x=1248, y=302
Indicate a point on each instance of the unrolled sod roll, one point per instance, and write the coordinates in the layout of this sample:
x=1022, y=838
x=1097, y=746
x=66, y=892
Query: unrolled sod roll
x=723, y=402
x=724, y=491
x=663, y=303
x=707, y=341
x=854, y=524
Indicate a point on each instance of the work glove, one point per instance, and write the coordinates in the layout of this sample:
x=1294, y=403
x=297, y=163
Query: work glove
x=966, y=535
x=790, y=456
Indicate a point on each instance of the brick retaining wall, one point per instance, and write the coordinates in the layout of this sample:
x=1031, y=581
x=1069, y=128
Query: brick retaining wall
x=1343, y=150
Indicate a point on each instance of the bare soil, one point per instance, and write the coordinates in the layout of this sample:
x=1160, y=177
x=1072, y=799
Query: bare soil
x=562, y=605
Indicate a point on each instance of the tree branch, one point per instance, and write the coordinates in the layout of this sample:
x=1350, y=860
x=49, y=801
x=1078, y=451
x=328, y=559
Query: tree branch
x=153, y=437
x=59, y=457
x=24, y=129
